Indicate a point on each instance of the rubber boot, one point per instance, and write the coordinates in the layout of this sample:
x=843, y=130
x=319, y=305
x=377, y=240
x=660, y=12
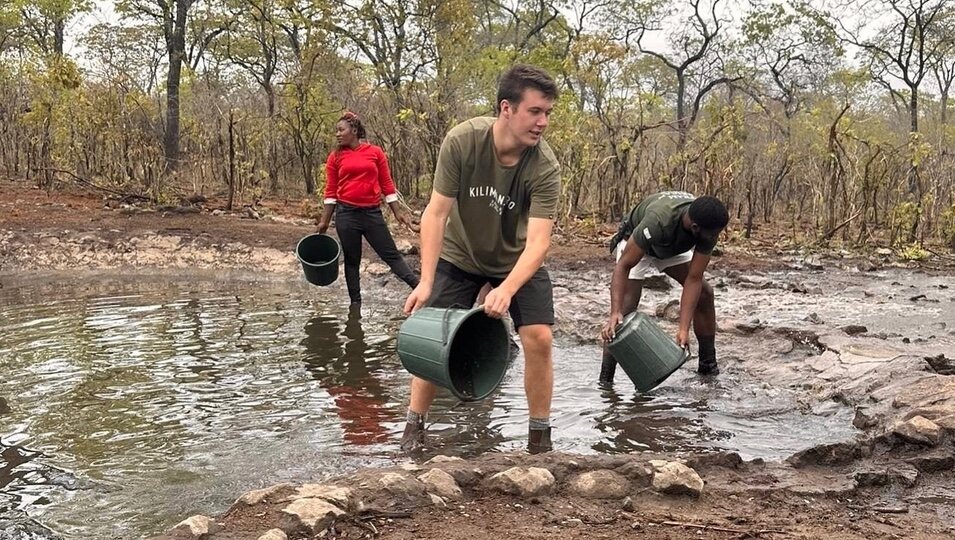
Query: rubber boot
x=707, y=366
x=413, y=437
x=607, y=369
x=538, y=441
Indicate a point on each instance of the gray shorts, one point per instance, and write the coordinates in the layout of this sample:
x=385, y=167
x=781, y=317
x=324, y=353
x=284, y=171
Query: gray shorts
x=532, y=304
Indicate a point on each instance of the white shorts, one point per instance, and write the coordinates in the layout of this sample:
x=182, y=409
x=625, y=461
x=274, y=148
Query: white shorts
x=651, y=266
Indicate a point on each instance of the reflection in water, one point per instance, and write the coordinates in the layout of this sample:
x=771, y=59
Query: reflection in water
x=337, y=359
x=647, y=422
x=167, y=397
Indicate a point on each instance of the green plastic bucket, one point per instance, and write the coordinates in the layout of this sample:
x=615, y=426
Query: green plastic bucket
x=319, y=254
x=462, y=350
x=647, y=354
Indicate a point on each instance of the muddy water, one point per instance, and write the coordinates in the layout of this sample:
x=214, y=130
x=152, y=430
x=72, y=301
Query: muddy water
x=134, y=401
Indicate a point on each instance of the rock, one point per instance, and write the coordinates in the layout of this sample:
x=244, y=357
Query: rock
x=573, y=522
x=728, y=460
x=274, y=534
x=636, y=471
x=627, y=504
x=813, y=318
x=465, y=476
x=749, y=326
x=524, y=481
x=218, y=212
x=377, y=269
x=339, y=496
x=601, y=484
x=657, y=282
x=401, y=485
x=669, y=310
x=933, y=463
x=676, y=478
x=941, y=364
x=830, y=454
x=905, y=475
x=854, y=329
x=441, y=483
x=256, y=496
x=885, y=252
x=313, y=514
x=443, y=459
x=947, y=423
x=405, y=247
x=199, y=525
x=437, y=501
x=865, y=418
x=872, y=478
x=918, y=430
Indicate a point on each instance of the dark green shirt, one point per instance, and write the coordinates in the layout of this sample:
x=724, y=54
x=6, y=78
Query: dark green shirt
x=657, y=225
x=487, y=228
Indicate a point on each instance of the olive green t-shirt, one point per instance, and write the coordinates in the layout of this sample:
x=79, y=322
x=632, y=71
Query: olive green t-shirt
x=657, y=225
x=487, y=228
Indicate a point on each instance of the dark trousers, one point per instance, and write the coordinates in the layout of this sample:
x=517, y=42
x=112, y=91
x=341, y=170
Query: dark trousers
x=353, y=223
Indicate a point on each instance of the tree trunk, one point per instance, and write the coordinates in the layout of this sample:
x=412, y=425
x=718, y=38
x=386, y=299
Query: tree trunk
x=914, y=108
x=943, y=104
x=176, y=45
x=229, y=203
x=58, y=37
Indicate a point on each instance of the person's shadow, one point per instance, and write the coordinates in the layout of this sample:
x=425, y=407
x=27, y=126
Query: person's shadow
x=338, y=358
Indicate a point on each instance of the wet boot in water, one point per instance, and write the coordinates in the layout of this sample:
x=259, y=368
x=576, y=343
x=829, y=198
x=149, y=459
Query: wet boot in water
x=538, y=441
x=707, y=366
x=607, y=369
x=413, y=437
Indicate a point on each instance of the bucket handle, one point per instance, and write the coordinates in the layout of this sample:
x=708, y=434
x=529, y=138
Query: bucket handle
x=445, y=323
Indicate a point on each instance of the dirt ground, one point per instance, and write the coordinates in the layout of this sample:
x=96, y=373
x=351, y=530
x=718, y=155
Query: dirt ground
x=743, y=500
x=27, y=210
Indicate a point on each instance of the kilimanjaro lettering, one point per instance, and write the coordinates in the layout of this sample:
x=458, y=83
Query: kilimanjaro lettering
x=499, y=201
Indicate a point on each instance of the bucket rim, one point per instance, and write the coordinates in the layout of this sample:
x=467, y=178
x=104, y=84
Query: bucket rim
x=446, y=351
x=465, y=315
x=318, y=265
x=623, y=323
x=468, y=313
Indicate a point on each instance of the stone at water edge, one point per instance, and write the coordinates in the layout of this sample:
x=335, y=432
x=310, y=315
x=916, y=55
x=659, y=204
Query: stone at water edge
x=524, y=481
x=258, y=495
x=676, y=478
x=339, y=496
x=601, y=484
x=199, y=525
x=441, y=483
x=314, y=514
x=274, y=534
x=919, y=430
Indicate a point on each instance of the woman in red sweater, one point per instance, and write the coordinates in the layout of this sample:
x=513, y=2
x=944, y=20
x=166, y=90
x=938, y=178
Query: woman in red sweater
x=358, y=177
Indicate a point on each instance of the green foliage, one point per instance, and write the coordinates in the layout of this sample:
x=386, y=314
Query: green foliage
x=913, y=252
x=947, y=226
x=905, y=215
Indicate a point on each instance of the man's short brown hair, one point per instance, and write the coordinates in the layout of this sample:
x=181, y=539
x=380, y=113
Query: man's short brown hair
x=521, y=77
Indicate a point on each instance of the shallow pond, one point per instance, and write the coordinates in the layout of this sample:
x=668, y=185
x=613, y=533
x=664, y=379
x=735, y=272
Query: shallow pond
x=133, y=401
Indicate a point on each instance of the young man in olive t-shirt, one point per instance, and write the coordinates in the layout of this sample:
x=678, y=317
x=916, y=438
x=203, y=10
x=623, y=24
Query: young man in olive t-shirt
x=673, y=232
x=489, y=220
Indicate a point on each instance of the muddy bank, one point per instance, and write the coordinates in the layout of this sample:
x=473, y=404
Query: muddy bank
x=569, y=496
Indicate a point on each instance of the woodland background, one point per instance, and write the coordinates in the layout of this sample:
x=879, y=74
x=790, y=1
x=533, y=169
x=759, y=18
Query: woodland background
x=830, y=122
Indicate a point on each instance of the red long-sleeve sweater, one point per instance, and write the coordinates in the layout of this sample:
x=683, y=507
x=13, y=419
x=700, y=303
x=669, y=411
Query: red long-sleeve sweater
x=359, y=177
